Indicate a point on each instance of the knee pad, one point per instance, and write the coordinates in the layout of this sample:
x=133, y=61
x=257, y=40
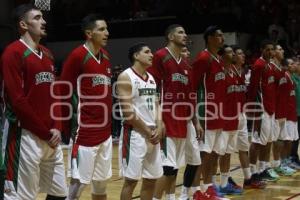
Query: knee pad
x=99, y=187
x=75, y=190
x=170, y=171
x=189, y=174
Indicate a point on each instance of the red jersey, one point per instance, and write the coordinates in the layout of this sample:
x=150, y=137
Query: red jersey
x=28, y=76
x=262, y=85
x=281, y=89
x=91, y=81
x=173, y=77
x=230, y=109
x=241, y=89
x=291, y=111
x=211, y=69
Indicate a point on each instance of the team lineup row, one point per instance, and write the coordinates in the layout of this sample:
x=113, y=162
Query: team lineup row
x=159, y=134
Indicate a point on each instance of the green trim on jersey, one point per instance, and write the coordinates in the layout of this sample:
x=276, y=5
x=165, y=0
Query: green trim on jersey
x=86, y=57
x=12, y=155
x=167, y=57
x=27, y=53
x=9, y=114
x=128, y=145
x=74, y=120
x=201, y=103
x=105, y=56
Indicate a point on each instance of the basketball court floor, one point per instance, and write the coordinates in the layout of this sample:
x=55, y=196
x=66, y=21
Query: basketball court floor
x=287, y=188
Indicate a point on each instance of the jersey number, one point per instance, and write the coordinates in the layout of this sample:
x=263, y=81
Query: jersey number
x=150, y=103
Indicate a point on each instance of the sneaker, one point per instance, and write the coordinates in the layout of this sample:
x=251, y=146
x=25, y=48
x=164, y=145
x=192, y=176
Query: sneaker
x=198, y=195
x=284, y=170
x=295, y=165
x=266, y=175
x=230, y=189
x=211, y=194
x=217, y=190
x=287, y=163
x=254, y=183
x=232, y=182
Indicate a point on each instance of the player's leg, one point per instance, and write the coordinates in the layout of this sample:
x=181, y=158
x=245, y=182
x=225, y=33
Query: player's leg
x=102, y=170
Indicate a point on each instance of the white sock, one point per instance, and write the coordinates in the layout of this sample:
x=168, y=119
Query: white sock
x=205, y=186
x=224, y=179
x=261, y=166
x=247, y=173
x=253, y=169
x=195, y=189
x=267, y=165
x=184, y=190
x=276, y=163
x=214, y=179
x=170, y=197
x=155, y=198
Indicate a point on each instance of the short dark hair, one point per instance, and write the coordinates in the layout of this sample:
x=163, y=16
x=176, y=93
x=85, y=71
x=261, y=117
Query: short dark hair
x=20, y=12
x=266, y=42
x=209, y=31
x=88, y=22
x=171, y=29
x=135, y=49
x=222, y=50
x=235, y=47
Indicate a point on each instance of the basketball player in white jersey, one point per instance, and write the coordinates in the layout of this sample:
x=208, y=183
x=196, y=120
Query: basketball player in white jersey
x=139, y=149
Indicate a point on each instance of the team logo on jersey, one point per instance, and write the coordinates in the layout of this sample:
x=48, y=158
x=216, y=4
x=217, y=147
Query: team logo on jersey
x=181, y=78
x=101, y=80
x=219, y=76
x=147, y=91
x=44, y=77
x=271, y=79
x=282, y=81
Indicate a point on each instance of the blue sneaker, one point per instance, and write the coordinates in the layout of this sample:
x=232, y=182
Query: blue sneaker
x=230, y=189
x=217, y=190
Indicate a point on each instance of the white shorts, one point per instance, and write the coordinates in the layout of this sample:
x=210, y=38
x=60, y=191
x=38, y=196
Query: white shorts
x=242, y=134
x=92, y=163
x=219, y=141
x=138, y=158
x=173, y=152
x=277, y=129
x=289, y=131
x=192, y=146
x=266, y=129
x=38, y=168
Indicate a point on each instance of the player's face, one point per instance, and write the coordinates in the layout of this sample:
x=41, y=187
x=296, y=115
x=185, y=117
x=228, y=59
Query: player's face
x=279, y=52
x=34, y=24
x=291, y=65
x=179, y=36
x=217, y=39
x=268, y=51
x=185, y=52
x=229, y=54
x=239, y=57
x=145, y=56
x=99, y=34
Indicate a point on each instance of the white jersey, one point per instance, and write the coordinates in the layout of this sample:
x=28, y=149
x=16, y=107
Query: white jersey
x=143, y=96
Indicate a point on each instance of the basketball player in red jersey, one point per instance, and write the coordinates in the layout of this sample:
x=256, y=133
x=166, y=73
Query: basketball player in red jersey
x=34, y=159
x=88, y=69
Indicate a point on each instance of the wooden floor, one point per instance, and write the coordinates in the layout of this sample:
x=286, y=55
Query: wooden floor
x=286, y=188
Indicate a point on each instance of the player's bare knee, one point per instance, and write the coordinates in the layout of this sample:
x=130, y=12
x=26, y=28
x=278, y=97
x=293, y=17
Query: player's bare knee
x=99, y=187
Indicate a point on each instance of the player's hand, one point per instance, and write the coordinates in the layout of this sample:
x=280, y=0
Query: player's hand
x=55, y=139
x=199, y=132
x=161, y=129
x=155, y=137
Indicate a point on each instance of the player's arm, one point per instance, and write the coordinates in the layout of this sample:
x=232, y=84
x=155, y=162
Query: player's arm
x=124, y=90
x=70, y=73
x=200, y=67
x=13, y=82
x=157, y=70
x=161, y=129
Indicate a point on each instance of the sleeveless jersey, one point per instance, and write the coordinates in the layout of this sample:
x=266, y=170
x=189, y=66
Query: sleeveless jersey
x=143, y=96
